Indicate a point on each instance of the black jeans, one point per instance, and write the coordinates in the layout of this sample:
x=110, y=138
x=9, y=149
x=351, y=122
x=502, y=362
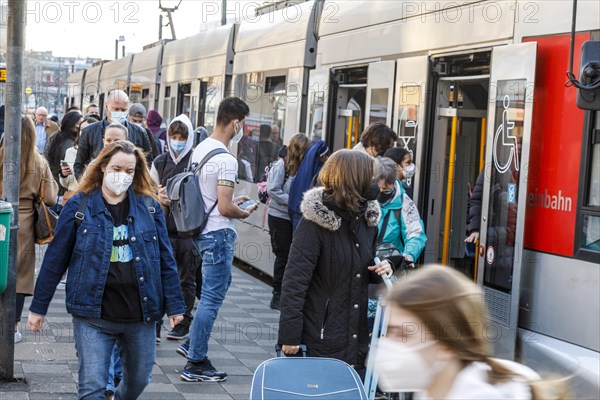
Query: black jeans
x=188, y=260
x=20, y=301
x=281, y=240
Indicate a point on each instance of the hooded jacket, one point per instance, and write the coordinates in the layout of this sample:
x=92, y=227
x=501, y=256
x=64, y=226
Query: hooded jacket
x=325, y=286
x=408, y=234
x=169, y=164
x=311, y=165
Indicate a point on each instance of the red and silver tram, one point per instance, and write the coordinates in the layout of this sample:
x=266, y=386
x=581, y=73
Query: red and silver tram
x=472, y=87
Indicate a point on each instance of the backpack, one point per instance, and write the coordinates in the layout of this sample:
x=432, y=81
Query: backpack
x=187, y=204
x=263, y=195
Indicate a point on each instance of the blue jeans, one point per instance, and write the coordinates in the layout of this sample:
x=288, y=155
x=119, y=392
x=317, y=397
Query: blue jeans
x=95, y=340
x=217, y=258
x=115, y=370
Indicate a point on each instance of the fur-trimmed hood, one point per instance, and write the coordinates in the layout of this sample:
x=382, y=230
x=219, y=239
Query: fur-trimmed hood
x=314, y=210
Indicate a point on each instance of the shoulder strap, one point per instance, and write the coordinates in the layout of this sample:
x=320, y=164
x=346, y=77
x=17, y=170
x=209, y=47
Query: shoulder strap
x=80, y=211
x=161, y=163
x=207, y=157
x=397, y=213
x=384, y=227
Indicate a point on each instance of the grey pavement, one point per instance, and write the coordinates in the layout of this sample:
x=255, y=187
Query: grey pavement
x=244, y=336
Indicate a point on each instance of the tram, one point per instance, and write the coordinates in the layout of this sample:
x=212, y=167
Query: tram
x=476, y=87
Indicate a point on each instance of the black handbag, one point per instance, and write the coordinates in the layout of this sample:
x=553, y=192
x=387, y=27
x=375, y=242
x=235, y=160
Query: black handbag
x=387, y=250
x=45, y=219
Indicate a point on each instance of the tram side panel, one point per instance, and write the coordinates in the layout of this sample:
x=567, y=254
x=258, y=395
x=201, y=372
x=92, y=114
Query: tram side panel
x=559, y=312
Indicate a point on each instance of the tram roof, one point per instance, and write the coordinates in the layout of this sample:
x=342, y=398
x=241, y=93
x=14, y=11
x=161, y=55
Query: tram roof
x=114, y=71
x=276, y=40
x=199, y=49
x=143, y=67
x=76, y=77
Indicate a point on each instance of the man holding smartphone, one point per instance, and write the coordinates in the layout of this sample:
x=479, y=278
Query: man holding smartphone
x=216, y=243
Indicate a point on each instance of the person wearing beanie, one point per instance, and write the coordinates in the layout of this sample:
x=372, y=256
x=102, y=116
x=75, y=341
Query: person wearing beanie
x=154, y=124
x=137, y=115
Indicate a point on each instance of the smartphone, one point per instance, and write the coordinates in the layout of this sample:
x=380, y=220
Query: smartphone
x=64, y=163
x=247, y=204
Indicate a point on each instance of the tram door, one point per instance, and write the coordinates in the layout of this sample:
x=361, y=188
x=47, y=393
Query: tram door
x=510, y=112
x=184, y=99
x=456, y=158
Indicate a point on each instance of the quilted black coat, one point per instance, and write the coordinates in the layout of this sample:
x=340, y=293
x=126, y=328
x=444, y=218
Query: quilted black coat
x=325, y=286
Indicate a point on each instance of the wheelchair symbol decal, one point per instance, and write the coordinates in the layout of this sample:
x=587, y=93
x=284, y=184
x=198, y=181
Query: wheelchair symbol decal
x=508, y=140
x=512, y=193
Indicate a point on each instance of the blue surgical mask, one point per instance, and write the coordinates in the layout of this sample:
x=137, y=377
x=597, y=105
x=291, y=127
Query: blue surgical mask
x=118, y=117
x=177, y=145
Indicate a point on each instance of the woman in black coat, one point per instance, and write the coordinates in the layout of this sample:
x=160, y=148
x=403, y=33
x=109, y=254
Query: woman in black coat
x=330, y=265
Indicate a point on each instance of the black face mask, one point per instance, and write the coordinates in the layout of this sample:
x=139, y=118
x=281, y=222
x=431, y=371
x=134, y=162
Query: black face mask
x=372, y=193
x=383, y=198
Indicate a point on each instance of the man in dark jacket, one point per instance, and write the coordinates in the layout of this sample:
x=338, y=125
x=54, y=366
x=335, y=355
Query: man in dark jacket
x=137, y=115
x=91, y=139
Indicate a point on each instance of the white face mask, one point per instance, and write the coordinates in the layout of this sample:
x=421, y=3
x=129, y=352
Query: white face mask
x=239, y=134
x=117, y=182
x=117, y=116
x=402, y=368
x=409, y=171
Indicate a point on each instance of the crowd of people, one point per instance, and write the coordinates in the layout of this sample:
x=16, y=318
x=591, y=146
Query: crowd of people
x=338, y=221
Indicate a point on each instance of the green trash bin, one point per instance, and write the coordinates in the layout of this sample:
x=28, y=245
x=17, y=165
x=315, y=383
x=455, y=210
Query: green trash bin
x=5, y=216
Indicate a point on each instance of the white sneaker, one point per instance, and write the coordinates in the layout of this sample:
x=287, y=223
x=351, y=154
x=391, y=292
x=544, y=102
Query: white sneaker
x=18, y=337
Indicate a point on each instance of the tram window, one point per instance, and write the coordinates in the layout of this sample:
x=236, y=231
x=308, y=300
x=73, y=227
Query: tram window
x=263, y=128
x=591, y=233
x=410, y=97
x=379, y=103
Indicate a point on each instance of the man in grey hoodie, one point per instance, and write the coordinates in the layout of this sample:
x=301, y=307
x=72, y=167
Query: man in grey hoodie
x=181, y=145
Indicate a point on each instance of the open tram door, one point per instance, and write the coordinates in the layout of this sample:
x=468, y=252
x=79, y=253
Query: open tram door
x=344, y=100
x=504, y=193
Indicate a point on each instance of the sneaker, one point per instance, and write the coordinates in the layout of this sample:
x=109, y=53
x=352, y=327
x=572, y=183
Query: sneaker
x=184, y=349
x=18, y=337
x=180, y=331
x=202, y=372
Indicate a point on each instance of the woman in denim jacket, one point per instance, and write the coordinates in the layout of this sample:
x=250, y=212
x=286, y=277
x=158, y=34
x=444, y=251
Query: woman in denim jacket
x=122, y=276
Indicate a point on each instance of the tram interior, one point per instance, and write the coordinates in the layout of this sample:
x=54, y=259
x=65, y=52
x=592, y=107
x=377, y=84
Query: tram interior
x=461, y=93
x=350, y=94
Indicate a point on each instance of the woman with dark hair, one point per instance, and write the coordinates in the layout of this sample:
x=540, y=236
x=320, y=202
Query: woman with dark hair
x=331, y=262
x=281, y=177
x=122, y=276
x=58, y=144
x=34, y=173
x=405, y=167
x=67, y=178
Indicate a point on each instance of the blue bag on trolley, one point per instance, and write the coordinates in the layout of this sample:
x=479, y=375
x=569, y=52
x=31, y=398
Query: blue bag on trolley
x=297, y=378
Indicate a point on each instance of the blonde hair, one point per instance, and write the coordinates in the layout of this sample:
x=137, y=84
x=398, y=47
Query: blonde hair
x=452, y=308
x=295, y=153
x=142, y=182
x=347, y=176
